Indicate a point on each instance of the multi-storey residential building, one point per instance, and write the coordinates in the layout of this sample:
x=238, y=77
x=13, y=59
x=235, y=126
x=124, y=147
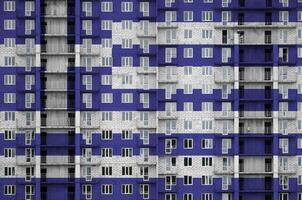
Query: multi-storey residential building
x=151, y=99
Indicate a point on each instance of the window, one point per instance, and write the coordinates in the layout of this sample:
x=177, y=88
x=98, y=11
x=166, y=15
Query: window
x=9, y=189
x=206, y=180
x=29, y=7
x=188, y=106
x=299, y=49
x=127, y=116
x=188, y=34
x=299, y=143
x=127, y=188
x=106, y=79
x=106, y=6
x=107, y=189
x=188, y=16
x=106, y=43
x=127, y=43
x=188, y=180
x=9, y=116
x=207, y=196
x=106, y=152
x=107, y=135
x=9, y=42
x=127, y=152
x=144, y=190
x=106, y=25
x=188, y=125
x=299, y=180
x=188, y=143
x=87, y=191
x=207, y=143
x=126, y=61
x=188, y=89
x=188, y=161
x=9, y=60
x=127, y=98
x=29, y=99
x=207, y=53
x=206, y=71
x=9, y=79
x=107, y=97
x=87, y=8
x=144, y=99
x=299, y=196
x=9, y=171
x=207, y=106
x=9, y=152
x=188, y=1
x=206, y=161
x=106, y=116
x=29, y=26
x=126, y=171
x=206, y=125
x=169, y=54
x=144, y=8
x=226, y=145
x=87, y=99
x=126, y=25
x=127, y=6
x=207, y=1
x=9, y=6
x=126, y=79
x=207, y=16
x=87, y=26
x=226, y=53
x=106, y=61
x=9, y=98
x=206, y=34
x=106, y=171
x=9, y=24
x=127, y=135
x=188, y=52
x=283, y=17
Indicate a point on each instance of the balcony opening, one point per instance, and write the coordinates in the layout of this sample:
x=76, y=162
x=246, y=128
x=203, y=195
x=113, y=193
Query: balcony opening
x=43, y=189
x=43, y=119
x=44, y=64
x=283, y=54
x=71, y=119
x=241, y=3
x=71, y=192
x=268, y=18
x=268, y=110
x=71, y=101
x=224, y=36
x=268, y=37
x=71, y=137
x=71, y=62
x=44, y=46
x=241, y=147
x=71, y=154
x=43, y=27
x=241, y=37
x=268, y=165
x=43, y=138
x=267, y=74
x=241, y=183
x=241, y=165
x=267, y=92
x=241, y=55
x=43, y=82
x=268, y=183
x=268, y=197
x=71, y=174
x=241, y=73
x=268, y=146
x=240, y=18
x=267, y=128
x=241, y=127
x=241, y=110
x=43, y=155
x=241, y=91
x=268, y=55
x=269, y=3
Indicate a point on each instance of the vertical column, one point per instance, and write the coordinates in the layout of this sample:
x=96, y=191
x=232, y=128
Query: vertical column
x=275, y=121
x=37, y=98
x=236, y=117
x=77, y=100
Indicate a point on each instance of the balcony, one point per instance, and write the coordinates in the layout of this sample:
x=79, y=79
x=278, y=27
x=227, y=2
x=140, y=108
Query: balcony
x=63, y=123
x=288, y=77
x=150, y=160
x=167, y=78
x=22, y=50
x=146, y=70
x=287, y=115
x=167, y=25
x=221, y=77
x=224, y=115
x=22, y=160
x=167, y=115
x=62, y=50
x=255, y=114
x=57, y=160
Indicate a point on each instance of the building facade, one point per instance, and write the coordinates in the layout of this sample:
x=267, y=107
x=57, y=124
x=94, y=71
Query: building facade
x=151, y=99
